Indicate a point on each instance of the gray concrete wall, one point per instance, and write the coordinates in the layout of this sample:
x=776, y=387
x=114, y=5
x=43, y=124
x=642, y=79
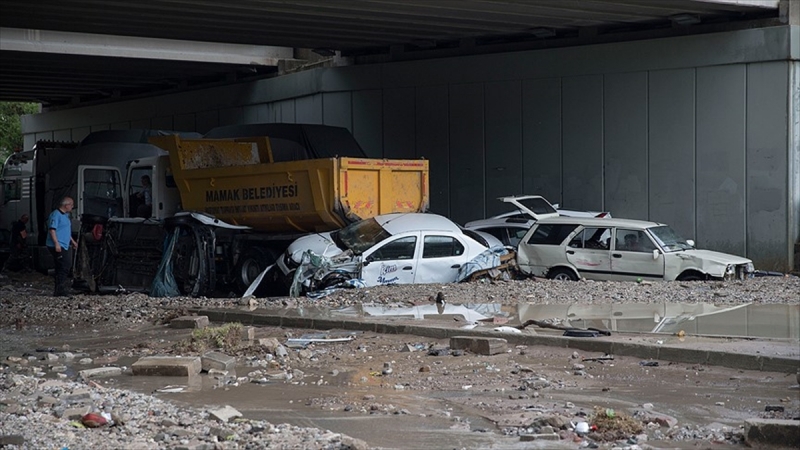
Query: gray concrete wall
x=697, y=131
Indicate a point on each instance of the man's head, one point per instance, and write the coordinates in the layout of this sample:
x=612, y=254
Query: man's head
x=24, y=218
x=145, y=180
x=66, y=204
x=631, y=240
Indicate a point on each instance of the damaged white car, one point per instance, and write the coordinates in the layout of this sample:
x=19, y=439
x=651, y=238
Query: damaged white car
x=568, y=248
x=510, y=227
x=387, y=249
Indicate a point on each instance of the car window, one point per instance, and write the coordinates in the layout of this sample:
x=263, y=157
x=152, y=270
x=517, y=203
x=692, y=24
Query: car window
x=361, y=236
x=515, y=235
x=592, y=238
x=441, y=247
x=634, y=241
x=669, y=238
x=538, y=205
x=551, y=234
x=498, y=232
x=402, y=248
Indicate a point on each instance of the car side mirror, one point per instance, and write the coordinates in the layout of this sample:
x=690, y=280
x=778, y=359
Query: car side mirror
x=690, y=242
x=655, y=254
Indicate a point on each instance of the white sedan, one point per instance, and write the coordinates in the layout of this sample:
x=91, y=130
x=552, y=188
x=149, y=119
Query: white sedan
x=569, y=248
x=387, y=249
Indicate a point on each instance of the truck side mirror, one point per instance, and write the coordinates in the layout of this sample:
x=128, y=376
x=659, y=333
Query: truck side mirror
x=690, y=242
x=655, y=254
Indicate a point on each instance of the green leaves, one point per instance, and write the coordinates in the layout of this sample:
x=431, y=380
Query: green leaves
x=11, y=127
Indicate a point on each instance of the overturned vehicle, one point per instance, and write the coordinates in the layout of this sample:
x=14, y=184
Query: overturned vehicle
x=409, y=248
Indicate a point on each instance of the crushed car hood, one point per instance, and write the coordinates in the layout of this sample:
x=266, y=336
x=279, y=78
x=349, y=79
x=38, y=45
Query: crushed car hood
x=320, y=243
x=712, y=256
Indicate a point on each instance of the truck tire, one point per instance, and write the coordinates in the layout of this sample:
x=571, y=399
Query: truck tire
x=252, y=262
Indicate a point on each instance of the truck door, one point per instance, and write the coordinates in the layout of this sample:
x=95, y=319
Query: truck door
x=99, y=191
x=392, y=261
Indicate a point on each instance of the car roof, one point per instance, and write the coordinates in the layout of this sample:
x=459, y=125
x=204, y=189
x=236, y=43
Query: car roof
x=600, y=222
x=399, y=222
x=500, y=223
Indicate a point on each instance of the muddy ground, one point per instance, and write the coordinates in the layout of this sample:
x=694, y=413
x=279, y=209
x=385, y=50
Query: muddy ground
x=385, y=391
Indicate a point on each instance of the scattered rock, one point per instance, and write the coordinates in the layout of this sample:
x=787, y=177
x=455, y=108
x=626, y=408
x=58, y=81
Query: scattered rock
x=224, y=414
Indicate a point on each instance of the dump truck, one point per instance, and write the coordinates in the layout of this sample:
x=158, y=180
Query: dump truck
x=233, y=200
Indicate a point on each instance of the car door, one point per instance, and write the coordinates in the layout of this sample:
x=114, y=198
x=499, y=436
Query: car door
x=589, y=252
x=392, y=261
x=442, y=256
x=632, y=256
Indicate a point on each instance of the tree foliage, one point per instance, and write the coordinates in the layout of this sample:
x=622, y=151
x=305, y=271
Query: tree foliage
x=11, y=127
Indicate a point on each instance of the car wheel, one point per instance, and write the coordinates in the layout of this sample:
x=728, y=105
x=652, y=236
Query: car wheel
x=691, y=276
x=562, y=274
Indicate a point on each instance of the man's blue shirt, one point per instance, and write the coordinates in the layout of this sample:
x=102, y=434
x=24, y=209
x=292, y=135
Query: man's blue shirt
x=61, y=223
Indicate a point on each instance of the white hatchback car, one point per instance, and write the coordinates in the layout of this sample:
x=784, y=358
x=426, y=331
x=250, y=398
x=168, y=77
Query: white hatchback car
x=568, y=248
x=510, y=227
x=387, y=249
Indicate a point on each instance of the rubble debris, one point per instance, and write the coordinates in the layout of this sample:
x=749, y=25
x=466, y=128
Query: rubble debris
x=198, y=322
x=479, y=345
x=167, y=366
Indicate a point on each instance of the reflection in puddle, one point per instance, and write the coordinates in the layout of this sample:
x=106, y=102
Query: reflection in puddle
x=470, y=313
x=748, y=320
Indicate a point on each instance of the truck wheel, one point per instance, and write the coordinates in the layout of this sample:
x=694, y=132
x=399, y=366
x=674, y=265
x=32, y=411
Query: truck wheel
x=250, y=265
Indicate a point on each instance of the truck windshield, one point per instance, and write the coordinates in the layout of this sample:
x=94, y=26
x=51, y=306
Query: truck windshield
x=669, y=239
x=361, y=236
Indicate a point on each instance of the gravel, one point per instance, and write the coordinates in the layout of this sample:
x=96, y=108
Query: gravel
x=25, y=300
x=31, y=405
x=36, y=411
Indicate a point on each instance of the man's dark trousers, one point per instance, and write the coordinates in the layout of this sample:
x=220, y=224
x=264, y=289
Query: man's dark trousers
x=62, y=261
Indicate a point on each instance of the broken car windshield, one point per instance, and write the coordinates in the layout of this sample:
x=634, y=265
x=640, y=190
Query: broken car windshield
x=362, y=235
x=669, y=239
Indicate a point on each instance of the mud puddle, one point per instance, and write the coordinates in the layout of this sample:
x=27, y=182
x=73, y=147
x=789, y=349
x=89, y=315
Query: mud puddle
x=442, y=425
x=429, y=401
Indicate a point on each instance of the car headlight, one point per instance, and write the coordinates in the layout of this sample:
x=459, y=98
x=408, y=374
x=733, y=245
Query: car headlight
x=289, y=262
x=749, y=268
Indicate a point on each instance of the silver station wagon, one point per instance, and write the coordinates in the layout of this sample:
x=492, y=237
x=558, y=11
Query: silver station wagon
x=570, y=248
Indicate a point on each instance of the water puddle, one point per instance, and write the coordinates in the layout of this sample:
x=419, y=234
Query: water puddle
x=775, y=321
x=749, y=320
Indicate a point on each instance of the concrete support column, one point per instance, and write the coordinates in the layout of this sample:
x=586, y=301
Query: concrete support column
x=793, y=162
x=790, y=12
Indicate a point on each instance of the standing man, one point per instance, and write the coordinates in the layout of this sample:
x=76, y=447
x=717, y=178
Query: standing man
x=19, y=236
x=60, y=244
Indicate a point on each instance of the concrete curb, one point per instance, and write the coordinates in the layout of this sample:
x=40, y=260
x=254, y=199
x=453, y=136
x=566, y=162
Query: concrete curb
x=600, y=344
x=772, y=432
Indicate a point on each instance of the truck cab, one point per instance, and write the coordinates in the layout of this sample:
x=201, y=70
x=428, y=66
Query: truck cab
x=164, y=194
